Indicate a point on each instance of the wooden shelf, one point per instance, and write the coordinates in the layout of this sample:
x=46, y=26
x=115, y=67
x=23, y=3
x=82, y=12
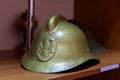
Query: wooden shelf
x=10, y=67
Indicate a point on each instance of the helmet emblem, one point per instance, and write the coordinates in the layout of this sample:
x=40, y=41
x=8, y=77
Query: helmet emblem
x=47, y=48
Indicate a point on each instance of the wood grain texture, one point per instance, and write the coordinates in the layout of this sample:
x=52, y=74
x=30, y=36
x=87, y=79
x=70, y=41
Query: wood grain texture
x=10, y=69
x=102, y=17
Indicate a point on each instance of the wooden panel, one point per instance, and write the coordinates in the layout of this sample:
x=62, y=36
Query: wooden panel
x=109, y=75
x=103, y=19
x=108, y=23
x=86, y=12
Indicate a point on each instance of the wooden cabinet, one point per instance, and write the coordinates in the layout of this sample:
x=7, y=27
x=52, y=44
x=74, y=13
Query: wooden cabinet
x=102, y=17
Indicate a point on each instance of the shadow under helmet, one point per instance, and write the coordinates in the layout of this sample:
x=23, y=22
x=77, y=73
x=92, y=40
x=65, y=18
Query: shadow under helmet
x=58, y=46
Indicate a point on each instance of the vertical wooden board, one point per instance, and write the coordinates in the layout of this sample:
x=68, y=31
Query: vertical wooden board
x=108, y=33
x=85, y=12
x=102, y=17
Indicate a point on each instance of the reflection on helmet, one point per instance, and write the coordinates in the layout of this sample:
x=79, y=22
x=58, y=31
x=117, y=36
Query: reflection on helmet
x=59, y=46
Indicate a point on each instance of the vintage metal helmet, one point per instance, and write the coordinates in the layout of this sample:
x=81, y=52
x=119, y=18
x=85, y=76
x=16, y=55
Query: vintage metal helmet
x=59, y=46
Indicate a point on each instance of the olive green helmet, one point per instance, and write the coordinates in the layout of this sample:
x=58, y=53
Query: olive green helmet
x=59, y=46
